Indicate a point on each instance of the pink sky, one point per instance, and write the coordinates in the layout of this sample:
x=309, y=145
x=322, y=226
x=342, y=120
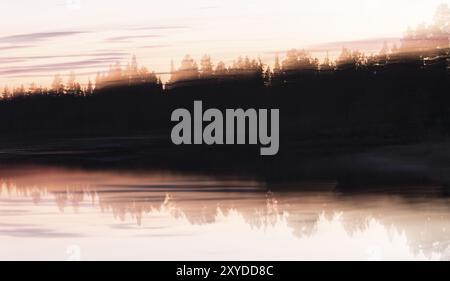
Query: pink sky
x=46, y=37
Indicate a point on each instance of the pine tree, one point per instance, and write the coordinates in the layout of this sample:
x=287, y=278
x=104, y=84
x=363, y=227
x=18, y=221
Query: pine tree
x=89, y=89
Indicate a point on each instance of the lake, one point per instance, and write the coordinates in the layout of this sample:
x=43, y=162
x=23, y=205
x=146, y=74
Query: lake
x=72, y=214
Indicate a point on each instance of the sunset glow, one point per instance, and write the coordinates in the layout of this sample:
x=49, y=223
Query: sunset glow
x=41, y=38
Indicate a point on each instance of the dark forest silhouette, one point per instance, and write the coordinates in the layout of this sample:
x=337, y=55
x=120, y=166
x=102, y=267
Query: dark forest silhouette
x=397, y=96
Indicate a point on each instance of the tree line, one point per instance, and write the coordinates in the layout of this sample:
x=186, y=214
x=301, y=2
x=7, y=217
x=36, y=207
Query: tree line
x=399, y=93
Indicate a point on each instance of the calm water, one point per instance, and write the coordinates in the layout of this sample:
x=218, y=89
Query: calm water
x=56, y=214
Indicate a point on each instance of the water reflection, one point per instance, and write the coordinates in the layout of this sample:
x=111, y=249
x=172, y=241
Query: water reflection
x=152, y=216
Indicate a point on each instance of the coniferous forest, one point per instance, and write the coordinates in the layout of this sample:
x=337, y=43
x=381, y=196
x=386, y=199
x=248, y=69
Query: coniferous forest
x=333, y=113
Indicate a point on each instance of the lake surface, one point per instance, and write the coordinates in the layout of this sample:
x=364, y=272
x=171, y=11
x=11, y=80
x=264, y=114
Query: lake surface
x=69, y=214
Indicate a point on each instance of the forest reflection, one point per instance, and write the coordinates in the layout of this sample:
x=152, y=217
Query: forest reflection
x=418, y=224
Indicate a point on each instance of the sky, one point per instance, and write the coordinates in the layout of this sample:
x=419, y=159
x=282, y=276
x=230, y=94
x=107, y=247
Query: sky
x=39, y=39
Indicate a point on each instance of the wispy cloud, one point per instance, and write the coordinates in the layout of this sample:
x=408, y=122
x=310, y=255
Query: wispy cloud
x=68, y=56
x=124, y=39
x=10, y=60
x=159, y=27
x=15, y=47
x=154, y=46
x=24, y=59
x=36, y=37
x=55, y=67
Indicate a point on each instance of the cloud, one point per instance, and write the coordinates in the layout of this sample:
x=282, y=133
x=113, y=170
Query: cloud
x=24, y=59
x=160, y=27
x=123, y=39
x=35, y=37
x=55, y=67
x=154, y=46
x=106, y=54
x=14, y=47
x=10, y=60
